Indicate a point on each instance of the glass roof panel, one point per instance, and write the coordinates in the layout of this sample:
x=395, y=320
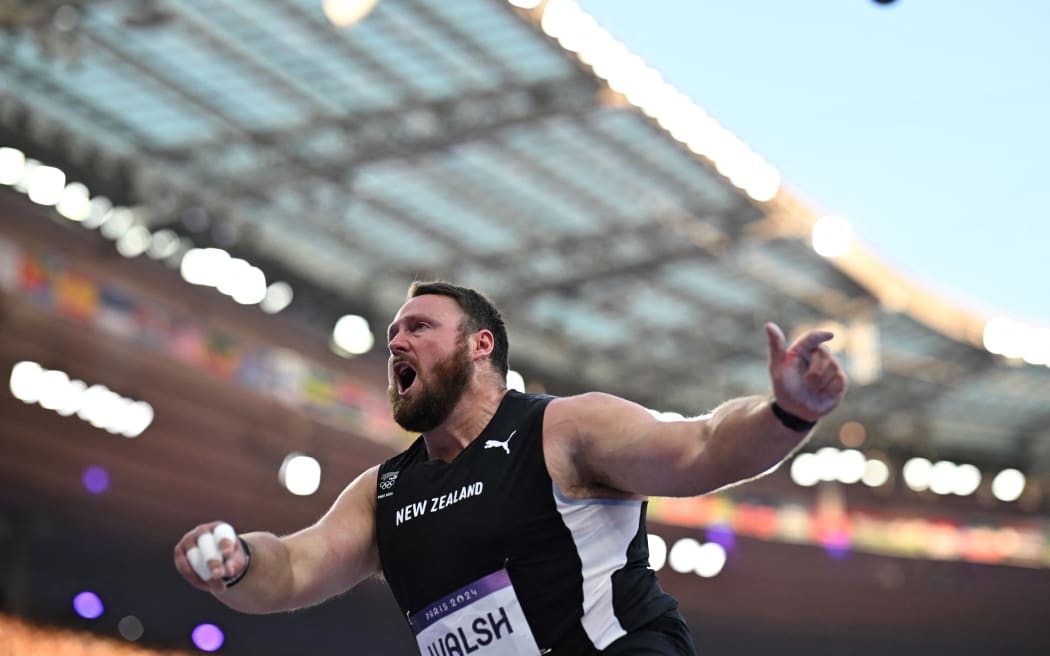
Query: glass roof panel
x=631, y=130
x=422, y=197
x=552, y=170
x=445, y=47
x=661, y=308
x=575, y=317
x=1013, y=391
x=900, y=333
x=712, y=283
x=493, y=184
x=176, y=60
x=507, y=38
x=614, y=175
x=40, y=94
x=396, y=241
x=544, y=204
x=297, y=34
x=101, y=81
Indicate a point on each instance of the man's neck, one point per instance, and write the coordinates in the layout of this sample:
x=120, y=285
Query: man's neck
x=466, y=422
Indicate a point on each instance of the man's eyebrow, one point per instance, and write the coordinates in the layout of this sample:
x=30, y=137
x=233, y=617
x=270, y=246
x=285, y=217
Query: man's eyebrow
x=392, y=328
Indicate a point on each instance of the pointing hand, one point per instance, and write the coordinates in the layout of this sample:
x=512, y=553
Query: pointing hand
x=807, y=379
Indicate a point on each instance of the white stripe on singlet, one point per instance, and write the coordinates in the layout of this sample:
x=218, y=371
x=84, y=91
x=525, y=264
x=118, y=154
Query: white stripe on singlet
x=602, y=530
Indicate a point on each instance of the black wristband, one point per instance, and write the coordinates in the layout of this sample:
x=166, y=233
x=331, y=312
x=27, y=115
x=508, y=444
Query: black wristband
x=791, y=421
x=231, y=581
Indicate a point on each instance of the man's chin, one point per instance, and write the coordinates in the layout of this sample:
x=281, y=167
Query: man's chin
x=413, y=425
x=408, y=416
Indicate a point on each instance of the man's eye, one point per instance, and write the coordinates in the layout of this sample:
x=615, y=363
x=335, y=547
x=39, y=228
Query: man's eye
x=419, y=326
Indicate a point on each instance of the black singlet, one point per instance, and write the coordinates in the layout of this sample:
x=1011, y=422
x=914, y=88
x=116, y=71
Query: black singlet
x=580, y=568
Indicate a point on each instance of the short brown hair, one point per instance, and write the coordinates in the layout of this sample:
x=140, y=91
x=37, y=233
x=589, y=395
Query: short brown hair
x=480, y=314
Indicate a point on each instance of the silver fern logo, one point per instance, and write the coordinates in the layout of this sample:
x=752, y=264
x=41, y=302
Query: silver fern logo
x=387, y=480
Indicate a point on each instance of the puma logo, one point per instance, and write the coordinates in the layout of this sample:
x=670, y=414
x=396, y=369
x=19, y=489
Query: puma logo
x=505, y=444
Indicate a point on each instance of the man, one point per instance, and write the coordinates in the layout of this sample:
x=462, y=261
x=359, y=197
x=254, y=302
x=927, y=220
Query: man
x=515, y=524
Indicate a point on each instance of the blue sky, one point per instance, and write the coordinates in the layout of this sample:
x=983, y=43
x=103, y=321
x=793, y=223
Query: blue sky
x=924, y=123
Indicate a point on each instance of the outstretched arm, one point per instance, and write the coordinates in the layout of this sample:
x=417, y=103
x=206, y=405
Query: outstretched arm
x=297, y=570
x=597, y=443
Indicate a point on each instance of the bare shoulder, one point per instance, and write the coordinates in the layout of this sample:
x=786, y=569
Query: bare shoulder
x=574, y=418
x=567, y=420
x=574, y=429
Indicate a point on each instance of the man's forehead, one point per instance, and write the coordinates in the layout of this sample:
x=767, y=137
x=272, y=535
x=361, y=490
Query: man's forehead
x=429, y=304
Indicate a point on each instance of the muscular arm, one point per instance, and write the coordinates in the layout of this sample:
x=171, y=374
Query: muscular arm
x=613, y=444
x=599, y=443
x=306, y=567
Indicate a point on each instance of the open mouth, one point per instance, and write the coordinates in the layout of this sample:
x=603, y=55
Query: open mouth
x=404, y=376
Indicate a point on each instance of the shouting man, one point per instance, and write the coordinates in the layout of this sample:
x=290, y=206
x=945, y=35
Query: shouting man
x=515, y=523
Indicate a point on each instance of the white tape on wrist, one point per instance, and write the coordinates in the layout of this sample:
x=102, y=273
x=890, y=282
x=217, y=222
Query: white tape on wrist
x=198, y=563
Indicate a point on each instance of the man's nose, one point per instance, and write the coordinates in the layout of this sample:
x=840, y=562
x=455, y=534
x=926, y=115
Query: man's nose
x=398, y=344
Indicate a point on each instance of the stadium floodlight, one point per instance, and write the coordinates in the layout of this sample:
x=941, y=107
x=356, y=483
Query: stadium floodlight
x=300, y=474
x=353, y=335
x=1008, y=485
x=831, y=236
x=344, y=13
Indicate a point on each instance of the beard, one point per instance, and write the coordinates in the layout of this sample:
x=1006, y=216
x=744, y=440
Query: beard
x=434, y=399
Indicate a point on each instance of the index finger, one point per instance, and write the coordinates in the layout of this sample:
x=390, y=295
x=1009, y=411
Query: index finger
x=811, y=341
x=182, y=565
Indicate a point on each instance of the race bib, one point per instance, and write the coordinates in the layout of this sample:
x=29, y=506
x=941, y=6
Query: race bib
x=480, y=619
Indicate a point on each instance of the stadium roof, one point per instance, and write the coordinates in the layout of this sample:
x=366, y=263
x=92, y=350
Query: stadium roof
x=634, y=245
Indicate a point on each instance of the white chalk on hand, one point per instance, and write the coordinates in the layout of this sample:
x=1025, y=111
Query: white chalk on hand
x=198, y=563
x=209, y=550
x=224, y=532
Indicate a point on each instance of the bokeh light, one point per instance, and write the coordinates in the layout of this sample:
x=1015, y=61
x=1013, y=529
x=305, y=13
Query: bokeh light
x=850, y=466
x=721, y=534
x=1008, y=485
x=353, y=335
x=832, y=236
x=208, y=637
x=45, y=185
x=876, y=472
x=344, y=13
x=827, y=463
x=657, y=552
x=852, y=434
x=966, y=480
x=278, y=296
x=130, y=628
x=12, y=163
x=836, y=544
x=804, y=470
x=917, y=473
x=300, y=474
x=710, y=559
x=515, y=381
x=88, y=605
x=95, y=479
x=97, y=404
x=684, y=555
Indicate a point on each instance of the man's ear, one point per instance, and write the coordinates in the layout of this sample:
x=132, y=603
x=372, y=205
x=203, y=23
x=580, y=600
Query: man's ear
x=484, y=343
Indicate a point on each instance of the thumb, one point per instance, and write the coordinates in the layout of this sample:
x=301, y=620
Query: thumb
x=777, y=343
